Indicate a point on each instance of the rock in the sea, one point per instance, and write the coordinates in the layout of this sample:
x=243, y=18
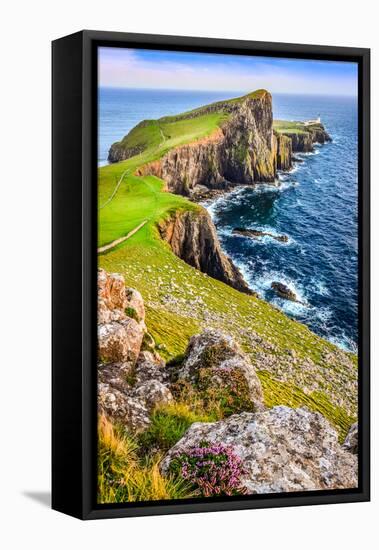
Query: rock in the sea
x=120, y=341
x=351, y=441
x=283, y=291
x=215, y=359
x=255, y=234
x=282, y=450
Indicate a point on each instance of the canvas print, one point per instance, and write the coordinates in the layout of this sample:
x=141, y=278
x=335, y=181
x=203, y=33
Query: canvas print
x=227, y=275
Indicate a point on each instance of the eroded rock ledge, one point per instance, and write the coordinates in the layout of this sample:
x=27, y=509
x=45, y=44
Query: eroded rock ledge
x=193, y=238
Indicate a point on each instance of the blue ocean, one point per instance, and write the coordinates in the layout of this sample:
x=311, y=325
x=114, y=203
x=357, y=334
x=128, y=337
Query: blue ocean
x=315, y=205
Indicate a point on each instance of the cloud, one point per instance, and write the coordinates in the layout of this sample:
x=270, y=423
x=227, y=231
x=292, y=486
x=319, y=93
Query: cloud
x=122, y=67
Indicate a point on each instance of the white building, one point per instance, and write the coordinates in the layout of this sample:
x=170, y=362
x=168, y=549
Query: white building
x=315, y=121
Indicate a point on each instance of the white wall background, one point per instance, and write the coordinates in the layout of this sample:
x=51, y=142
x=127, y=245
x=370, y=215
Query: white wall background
x=27, y=29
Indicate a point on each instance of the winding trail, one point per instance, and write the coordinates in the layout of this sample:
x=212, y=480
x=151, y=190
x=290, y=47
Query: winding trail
x=163, y=138
x=121, y=239
x=114, y=190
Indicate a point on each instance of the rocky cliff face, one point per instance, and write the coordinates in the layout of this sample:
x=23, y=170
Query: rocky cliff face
x=303, y=142
x=193, y=238
x=131, y=379
x=243, y=150
x=283, y=151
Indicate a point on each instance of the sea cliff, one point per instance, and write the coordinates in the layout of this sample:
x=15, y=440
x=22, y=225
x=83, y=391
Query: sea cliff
x=245, y=147
x=193, y=238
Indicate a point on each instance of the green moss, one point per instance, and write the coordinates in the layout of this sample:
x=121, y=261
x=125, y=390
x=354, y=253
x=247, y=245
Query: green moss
x=214, y=354
x=131, y=312
x=226, y=392
x=148, y=342
x=241, y=151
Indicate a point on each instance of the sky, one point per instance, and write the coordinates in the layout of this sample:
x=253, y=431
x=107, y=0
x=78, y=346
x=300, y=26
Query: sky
x=137, y=68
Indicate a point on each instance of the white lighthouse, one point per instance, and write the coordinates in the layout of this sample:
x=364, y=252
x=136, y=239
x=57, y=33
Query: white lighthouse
x=315, y=121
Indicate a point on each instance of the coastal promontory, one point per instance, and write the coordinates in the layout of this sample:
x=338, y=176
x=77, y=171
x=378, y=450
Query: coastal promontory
x=227, y=143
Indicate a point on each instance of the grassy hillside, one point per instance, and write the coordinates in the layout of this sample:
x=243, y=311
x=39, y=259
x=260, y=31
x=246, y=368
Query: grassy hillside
x=152, y=139
x=296, y=367
x=289, y=126
x=157, y=138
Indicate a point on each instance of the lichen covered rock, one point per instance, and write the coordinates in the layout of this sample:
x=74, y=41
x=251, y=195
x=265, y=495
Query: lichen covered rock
x=117, y=302
x=153, y=393
x=351, y=441
x=130, y=381
x=150, y=366
x=214, y=361
x=282, y=450
x=134, y=304
x=120, y=341
x=122, y=407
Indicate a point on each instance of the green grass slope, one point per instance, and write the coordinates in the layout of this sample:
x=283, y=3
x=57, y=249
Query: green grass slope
x=295, y=366
x=289, y=126
x=157, y=138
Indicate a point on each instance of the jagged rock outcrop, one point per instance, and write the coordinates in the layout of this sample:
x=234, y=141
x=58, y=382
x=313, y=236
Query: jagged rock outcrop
x=282, y=450
x=283, y=151
x=284, y=291
x=114, y=298
x=152, y=393
x=121, y=320
x=255, y=234
x=121, y=407
x=351, y=441
x=150, y=366
x=131, y=381
x=120, y=341
x=193, y=238
x=215, y=360
x=303, y=142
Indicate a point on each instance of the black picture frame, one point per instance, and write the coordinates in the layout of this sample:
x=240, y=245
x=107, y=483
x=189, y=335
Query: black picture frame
x=74, y=270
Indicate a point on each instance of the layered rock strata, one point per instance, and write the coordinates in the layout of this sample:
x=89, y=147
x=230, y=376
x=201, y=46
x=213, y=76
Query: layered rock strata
x=193, y=238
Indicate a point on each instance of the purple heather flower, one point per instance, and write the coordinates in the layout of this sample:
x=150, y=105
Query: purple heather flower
x=214, y=468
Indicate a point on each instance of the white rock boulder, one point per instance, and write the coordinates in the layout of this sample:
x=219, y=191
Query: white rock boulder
x=282, y=449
